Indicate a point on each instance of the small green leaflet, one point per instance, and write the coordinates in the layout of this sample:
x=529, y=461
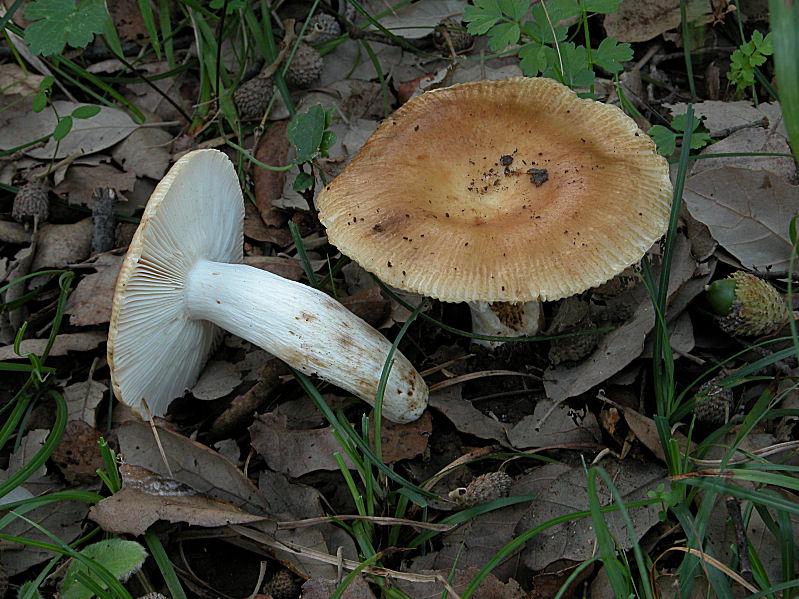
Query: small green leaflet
x=482, y=16
x=610, y=54
x=666, y=140
x=503, y=35
x=59, y=22
x=603, y=7
x=515, y=9
x=307, y=132
x=122, y=558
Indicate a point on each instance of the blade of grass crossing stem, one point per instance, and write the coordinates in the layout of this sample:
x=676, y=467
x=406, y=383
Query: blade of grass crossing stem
x=686, y=45
x=164, y=565
x=573, y=576
x=381, y=386
x=146, y=10
x=694, y=529
x=306, y=263
x=41, y=456
x=606, y=545
x=785, y=38
x=60, y=546
x=166, y=30
x=639, y=556
x=664, y=389
x=381, y=78
x=351, y=576
x=347, y=431
x=529, y=534
x=787, y=548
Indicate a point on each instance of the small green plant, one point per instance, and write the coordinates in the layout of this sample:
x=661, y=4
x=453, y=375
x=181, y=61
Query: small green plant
x=744, y=60
x=120, y=557
x=543, y=43
x=57, y=23
x=309, y=133
x=64, y=123
x=666, y=138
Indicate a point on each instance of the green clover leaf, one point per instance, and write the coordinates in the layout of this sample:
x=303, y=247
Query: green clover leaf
x=610, y=54
x=57, y=23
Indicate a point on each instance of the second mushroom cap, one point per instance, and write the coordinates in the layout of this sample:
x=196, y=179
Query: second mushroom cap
x=511, y=190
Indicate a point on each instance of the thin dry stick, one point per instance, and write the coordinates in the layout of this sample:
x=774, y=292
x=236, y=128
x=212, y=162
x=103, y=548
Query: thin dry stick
x=554, y=39
x=157, y=439
x=707, y=560
x=477, y=375
x=326, y=558
x=309, y=522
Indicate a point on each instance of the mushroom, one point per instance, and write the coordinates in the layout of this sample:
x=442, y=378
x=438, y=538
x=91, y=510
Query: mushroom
x=181, y=281
x=509, y=191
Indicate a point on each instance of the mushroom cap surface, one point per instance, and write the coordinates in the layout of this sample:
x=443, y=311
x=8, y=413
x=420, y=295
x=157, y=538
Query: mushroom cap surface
x=444, y=199
x=155, y=351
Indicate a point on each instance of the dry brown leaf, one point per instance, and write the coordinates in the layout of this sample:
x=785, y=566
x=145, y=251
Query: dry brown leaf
x=13, y=233
x=130, y=511
x=467, y=418
x=554, y=424
x=622, y=345
x=298, y=452
x=60, y=245
x=288, y=268
x=567, y=493
x=145, y=152
x=490, y=587
x=192, y=463
x=78, y=455
x=64, y=343
x=218, y=379
x=82, y=400
x=15, y=81
x=318, y=588
x=80, y=182
x=637, y=21
x=90, y=302
x=272, y=150
x=646, y=432
x=747, y=211
x=87, y=136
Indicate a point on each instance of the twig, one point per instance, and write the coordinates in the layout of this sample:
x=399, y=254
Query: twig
x=734, y=510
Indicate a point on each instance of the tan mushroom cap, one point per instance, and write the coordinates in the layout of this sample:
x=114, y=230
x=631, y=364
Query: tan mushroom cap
x=430, y=205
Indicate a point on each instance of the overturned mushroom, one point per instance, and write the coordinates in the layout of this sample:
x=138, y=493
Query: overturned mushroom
x=506, y=191
x=181, y=281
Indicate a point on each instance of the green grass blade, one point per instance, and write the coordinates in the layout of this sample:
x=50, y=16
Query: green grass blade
x=785, y=28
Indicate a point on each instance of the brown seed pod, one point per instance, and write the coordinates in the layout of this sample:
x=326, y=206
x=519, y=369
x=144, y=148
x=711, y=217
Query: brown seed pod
x=484, y=488
x=714, y=402
x=253, y=96
x=31, y=202
x=305, y=67
x=453, y=29
x=324, y=27
x=283, y=586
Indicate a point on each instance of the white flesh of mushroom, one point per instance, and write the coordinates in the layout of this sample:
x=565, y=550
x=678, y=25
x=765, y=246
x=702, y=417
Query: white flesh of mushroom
x=504, y=319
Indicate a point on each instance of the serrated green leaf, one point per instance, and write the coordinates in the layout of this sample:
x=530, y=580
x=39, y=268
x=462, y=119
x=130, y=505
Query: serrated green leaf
x=62, y=128
x=302, y=182
x=538, y=28
x=502, y=35
x=603, y=7
x=85, y=112
x=482, y=16
x=305, y=132
x=59, y=22
x=700, y=140
x=576, y=70
x=122, y=558
x=610, y=54
x=515, y=9
x=678, y=122
x=562, y=9
x=665, y=139
x=533, y=58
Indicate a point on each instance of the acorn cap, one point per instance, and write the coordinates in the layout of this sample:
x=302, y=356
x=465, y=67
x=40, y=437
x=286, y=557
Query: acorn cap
x=31, y=202
x=305, y=67
x=511, y=190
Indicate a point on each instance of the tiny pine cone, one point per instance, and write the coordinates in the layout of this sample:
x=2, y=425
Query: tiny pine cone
x=714, y=402
x=282, y=586
x=758, y=308
x=326, y=26
x=252, y=97
x=305, y=67
x=31, y=201
x=460, y=38
x=484, y=488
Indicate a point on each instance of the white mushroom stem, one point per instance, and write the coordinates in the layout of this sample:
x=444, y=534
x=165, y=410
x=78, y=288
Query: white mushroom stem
x=505, y=319
x=307, y=329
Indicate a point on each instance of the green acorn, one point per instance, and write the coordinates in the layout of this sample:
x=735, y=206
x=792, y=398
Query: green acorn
x=747, y=305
